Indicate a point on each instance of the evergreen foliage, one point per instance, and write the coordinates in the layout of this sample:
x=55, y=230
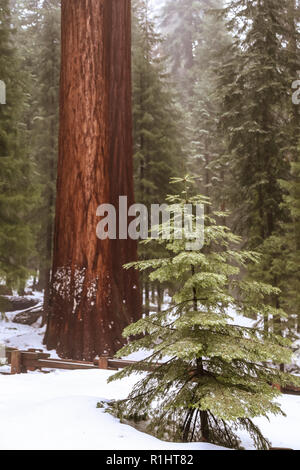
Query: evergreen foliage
x=216, y=375
x=182, y=23
x=17, y=192
x=287, y=261
x=38, y=38
x=259, y=123
x=158, y=139
x=46, y=131
x=207, y=144
x=252, y=86
x=158, y=154
x=197, y=44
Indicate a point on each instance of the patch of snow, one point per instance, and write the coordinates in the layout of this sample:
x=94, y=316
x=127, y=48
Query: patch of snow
x=58, y=411
x=281, y=431
x=19, y=336
x=239, y=319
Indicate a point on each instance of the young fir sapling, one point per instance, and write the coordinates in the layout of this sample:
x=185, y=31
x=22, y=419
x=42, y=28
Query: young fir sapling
x=207, y=376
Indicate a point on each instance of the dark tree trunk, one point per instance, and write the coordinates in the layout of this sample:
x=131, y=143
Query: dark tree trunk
x=92, y=297
x=160, y=297
x=47, y=270
x=49, y=229
x=147, y=298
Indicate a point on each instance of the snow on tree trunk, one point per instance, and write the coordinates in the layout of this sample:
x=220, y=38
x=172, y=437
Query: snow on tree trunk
x=93, y=298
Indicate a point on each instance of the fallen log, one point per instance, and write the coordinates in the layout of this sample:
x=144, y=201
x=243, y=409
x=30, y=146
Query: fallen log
x=28, y=317
x=14, y=304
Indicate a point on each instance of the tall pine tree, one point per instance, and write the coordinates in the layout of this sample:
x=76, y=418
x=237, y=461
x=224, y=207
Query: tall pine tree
x=254, y=87
x=46, y=136
x=207, y=144
x=158, y=140
x=16, y=166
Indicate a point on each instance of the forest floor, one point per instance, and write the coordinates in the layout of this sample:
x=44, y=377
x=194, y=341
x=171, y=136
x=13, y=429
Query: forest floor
x=58, y=410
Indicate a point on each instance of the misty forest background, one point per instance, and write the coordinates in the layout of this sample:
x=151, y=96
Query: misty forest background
x=212, y=97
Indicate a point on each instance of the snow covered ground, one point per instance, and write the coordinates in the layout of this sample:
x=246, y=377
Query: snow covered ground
x=58, y=410
x=22, y=336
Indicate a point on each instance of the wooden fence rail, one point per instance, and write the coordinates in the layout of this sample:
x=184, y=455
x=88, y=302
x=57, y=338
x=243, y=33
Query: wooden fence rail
x=35, y=359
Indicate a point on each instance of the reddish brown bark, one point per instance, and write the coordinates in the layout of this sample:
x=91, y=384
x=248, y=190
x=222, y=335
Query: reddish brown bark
x=92, y=297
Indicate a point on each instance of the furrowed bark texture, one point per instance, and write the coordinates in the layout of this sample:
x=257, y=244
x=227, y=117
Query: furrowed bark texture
x=92, y=297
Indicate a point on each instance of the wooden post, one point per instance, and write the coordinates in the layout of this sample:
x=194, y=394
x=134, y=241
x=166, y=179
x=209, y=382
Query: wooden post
x=103, y=362
x=277, y=386
x=16, y=362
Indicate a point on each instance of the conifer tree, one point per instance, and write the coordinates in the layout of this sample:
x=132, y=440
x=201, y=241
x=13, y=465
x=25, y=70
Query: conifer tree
x=38, y=38
x=27, y=19
x=46, y=132
x=180, y=21
x=196, y=39
x=285, y=256
x=252, y=85
x=216, y=375
x=16, y=190
x=158, y=153
x=181, y=24
x=293, y=67
x=287, y=260
x=207, y=144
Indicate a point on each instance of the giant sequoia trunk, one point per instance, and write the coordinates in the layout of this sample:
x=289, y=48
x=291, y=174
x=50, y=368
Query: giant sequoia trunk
x=92, y=297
